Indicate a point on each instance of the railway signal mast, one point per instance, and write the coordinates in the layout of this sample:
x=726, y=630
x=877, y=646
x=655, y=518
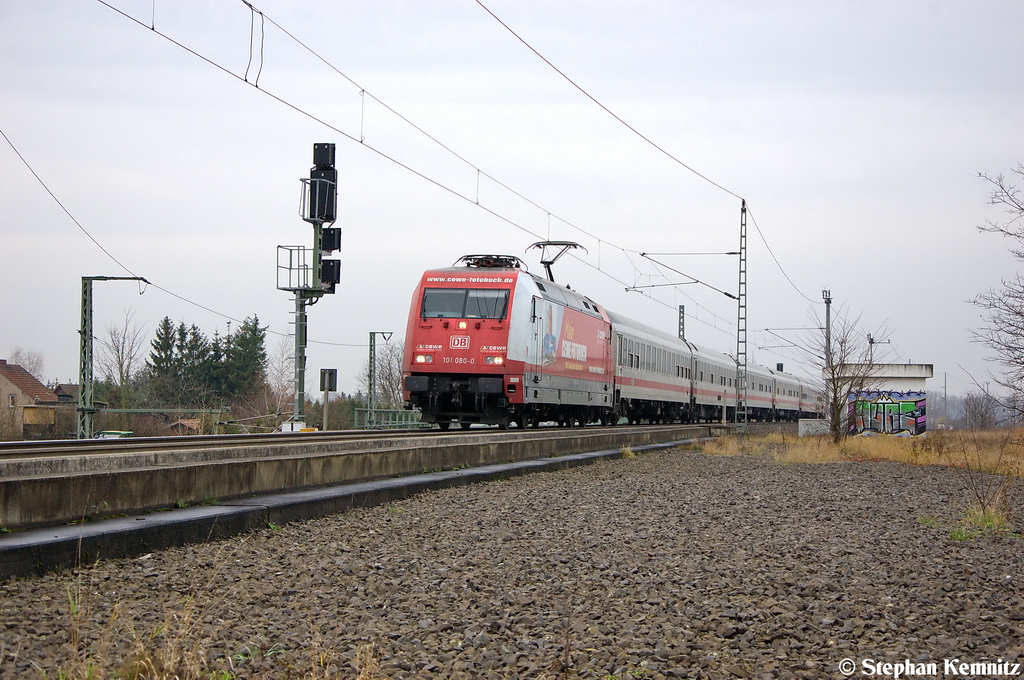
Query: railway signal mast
x=303, y=271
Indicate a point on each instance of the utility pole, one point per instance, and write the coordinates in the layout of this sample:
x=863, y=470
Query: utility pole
x=86, y=408
x=371, y=386
x=826, y=295
x=306, y=273
x=741, y=325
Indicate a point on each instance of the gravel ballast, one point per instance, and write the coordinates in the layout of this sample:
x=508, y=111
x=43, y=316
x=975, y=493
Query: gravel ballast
x=671, y=564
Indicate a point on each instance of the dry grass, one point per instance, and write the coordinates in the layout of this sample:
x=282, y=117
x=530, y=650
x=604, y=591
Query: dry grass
x=808, y=450
x=991, y=452
x=736, y=446
x=989, y=462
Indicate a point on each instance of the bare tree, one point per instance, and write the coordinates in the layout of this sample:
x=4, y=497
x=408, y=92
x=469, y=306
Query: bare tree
x=1003, y=331
x=389, y=375
x=845, y=355
x=981, y=411
x=121, y=355
x=29, y=360
x=281, y=373
x=276, y=394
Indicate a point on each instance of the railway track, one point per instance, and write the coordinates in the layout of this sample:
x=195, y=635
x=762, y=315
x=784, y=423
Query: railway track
x=217, y=486
x=79, y=447
x=23, y=450
x=47, y=483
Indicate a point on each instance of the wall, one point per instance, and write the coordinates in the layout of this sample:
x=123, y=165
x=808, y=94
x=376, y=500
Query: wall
x=888, y=412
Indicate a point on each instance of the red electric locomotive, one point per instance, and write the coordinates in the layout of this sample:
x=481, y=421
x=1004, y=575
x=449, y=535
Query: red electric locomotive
x=488, y=342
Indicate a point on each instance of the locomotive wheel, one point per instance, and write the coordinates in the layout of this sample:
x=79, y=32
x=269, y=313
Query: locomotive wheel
x=465, y=426
x=444, y=426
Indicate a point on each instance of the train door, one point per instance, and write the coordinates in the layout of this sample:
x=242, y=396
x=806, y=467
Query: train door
x=775, y=399
x=537, y=344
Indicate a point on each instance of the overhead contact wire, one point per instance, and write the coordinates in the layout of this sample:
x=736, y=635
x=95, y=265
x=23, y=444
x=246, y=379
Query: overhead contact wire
x=363, y=92
x=377, y=151
x=645, y=138
x=605, y=108
x=122, y=265
x=66, y=211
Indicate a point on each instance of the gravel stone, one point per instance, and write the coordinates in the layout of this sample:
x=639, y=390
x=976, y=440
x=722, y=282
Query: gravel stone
x=669, y=565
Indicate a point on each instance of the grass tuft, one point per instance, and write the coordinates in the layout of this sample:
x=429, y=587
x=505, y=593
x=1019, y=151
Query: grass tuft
x=367, y=662
x=735, y=446
x=808, y=450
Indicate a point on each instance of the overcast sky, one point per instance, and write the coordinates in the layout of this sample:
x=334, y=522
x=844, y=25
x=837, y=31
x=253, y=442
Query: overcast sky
x=854, y=130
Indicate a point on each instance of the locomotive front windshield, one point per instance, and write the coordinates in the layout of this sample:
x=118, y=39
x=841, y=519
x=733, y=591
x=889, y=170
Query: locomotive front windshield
x=464, y=303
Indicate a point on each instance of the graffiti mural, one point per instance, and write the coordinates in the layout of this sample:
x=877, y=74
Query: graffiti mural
x=896, y=413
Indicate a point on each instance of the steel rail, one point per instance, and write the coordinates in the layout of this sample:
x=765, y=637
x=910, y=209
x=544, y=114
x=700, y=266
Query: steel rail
x=72, y=447
x=99, y=447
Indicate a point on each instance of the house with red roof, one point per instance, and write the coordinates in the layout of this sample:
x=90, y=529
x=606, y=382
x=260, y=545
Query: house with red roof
x=24, y=401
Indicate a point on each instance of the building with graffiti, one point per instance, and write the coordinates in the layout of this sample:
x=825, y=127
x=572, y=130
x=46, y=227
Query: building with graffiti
x=895, y=402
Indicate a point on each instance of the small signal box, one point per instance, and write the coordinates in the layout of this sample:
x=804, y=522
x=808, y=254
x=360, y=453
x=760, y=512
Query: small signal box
x=331, y=239
x=323, y=154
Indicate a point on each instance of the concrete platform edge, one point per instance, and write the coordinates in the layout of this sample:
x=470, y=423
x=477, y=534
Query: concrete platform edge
x=49, y=549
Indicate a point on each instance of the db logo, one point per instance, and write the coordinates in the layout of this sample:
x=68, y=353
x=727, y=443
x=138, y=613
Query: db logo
x=460, y=342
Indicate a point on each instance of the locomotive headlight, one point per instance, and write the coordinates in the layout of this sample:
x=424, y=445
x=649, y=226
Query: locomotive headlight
x=463, y=325
x=424, y=358
x=494, y=360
